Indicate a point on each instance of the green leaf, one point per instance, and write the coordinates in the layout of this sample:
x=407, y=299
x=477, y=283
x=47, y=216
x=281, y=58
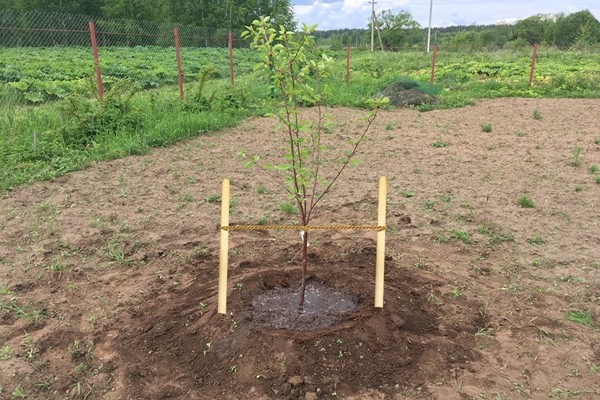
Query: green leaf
x=354, y=163
x=283, y=167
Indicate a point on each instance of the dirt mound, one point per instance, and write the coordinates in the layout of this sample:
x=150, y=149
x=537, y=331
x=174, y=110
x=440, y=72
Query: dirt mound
x=407, y=93
x=333, y=353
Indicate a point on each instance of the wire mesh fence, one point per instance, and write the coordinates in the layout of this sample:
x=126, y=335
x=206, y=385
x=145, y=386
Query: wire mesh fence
x=47, y=56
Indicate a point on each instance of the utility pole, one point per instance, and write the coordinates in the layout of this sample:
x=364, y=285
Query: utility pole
x=372, y=23
x=429, y=30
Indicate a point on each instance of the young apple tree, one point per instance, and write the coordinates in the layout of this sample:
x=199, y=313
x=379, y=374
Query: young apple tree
x=298, y=74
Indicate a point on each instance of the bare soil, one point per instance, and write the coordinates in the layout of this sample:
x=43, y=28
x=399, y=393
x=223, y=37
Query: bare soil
x=108, y=276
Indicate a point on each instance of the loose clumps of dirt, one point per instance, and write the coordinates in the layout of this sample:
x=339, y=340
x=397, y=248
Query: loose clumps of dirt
x=324, y=354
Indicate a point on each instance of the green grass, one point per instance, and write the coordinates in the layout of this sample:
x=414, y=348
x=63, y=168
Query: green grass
x=597, y=179
x=439, y=144
x=6, y=352
x=407, y=193
x=213, y=198
x=127, y=126
x=487, y=128
x=525, y=202
x=288, y=208
x=462, y=235
x=25, y=312
x=536, y=240
x=581, y=317
x=593, y=169
x=495, y=235
x=537, y=115
x=576, y=157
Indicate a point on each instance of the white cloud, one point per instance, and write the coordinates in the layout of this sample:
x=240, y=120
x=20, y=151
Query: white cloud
x=355, y=5
x=301, y=11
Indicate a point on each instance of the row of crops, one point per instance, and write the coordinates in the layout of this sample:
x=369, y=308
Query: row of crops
x=38, y=75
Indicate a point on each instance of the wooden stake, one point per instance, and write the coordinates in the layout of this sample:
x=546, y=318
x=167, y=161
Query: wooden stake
x=92, y=29
x=432, y=79
x=347, y=65
x=533, y=57
x=223, y=256
x=379, y=265
x=231, y=78
x=178, y=59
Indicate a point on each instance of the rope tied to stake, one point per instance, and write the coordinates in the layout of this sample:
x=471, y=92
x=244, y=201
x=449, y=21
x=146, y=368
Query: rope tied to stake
x=302, y=227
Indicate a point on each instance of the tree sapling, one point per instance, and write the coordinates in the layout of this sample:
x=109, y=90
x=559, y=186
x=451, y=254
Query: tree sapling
x=297, y=72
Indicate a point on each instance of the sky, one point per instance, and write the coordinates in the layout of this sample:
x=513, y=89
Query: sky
x=339, y=14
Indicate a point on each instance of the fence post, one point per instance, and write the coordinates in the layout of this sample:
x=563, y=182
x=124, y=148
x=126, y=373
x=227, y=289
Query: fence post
x=230, y=58
x=96, y=59
x=178, y=56
x=347, y=65
x=533, y=57
x=433, y=64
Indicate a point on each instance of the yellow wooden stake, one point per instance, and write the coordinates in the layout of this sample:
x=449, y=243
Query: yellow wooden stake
x=223, y=256
x=379, y=264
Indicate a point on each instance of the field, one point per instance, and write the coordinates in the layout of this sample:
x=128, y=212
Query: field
x=108, y=275
x=109, y=238
x=38, y=75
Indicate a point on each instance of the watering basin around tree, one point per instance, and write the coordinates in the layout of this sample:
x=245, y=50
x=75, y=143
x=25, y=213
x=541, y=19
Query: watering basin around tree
x=323, y=307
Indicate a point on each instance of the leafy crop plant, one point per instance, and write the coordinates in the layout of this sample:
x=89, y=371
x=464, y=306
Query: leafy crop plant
x=297, y=73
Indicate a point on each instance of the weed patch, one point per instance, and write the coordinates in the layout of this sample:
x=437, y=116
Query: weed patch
x=525, y=202
x=581, y=317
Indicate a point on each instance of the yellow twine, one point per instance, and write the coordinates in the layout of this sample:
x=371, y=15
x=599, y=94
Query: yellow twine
x=302, y=228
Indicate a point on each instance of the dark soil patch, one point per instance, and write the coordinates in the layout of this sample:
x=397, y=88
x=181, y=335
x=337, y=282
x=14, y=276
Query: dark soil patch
x=267, y=348
x=323, y=307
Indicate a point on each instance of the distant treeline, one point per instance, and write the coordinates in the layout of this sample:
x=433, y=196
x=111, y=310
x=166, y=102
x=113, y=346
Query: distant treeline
x=580, y=29
x=203, y=13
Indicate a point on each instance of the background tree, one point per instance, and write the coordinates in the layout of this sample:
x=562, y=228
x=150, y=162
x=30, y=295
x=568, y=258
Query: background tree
x=534, y=29
x=148, y=10
x=87, y=7
x=397, y=30
x=579, y=25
